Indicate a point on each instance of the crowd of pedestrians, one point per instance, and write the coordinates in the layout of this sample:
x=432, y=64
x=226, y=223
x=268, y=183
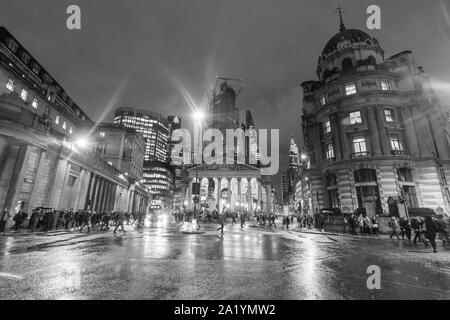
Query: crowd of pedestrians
x=46, y=219
x=426, y=229
x=262, y=220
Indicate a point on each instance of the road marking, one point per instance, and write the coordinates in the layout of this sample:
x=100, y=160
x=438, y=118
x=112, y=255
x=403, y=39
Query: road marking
x=11, y=276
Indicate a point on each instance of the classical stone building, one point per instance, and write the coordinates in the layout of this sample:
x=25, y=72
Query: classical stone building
x=42, y=159
x=374, y=130
x=236, y=186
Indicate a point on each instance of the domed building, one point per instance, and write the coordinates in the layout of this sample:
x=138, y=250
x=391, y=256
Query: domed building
x=374, y=130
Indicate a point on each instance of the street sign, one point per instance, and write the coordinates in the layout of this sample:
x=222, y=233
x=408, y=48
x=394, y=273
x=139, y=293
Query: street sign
x=196, y=199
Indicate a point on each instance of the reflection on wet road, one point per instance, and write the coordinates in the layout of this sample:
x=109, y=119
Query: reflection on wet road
x=159, y=262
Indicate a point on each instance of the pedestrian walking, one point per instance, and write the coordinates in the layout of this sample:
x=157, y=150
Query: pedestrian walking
x=19, y=218
x=221, y=222
x=375, y=229
x=417, y=226
x=431, y=230
x=393, y=224
x=120, y=218
x=242, y=218
x=85, y=218
x=105, y=221
x=4, y=217
x=272, y=220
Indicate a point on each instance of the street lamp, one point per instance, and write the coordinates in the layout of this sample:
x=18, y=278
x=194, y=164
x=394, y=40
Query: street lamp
x=199, y=115
x=82, y=142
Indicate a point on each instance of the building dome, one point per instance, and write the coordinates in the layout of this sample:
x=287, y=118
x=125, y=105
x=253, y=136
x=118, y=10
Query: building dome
x=348, y=35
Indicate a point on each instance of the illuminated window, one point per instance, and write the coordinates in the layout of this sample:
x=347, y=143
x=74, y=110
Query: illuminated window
x=330, y=151
x=388, y=115
x=34, y=103
x=24, y=94
x=102, y=134
x=396, y=145
x=10, y=85
x=70, y=130
x=359, y=145
x=327, y=127
x=64, y=126
x=355, y=117
x=322, y=100
x=57, y=120
x=350, y=89
x=385, y=85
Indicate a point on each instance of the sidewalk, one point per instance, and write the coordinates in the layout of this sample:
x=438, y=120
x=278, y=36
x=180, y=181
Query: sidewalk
x=330, y=233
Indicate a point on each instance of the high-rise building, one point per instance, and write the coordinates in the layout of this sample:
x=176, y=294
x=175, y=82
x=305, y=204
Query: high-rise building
x=156, y=130
x=374, y=130
x=154, y=127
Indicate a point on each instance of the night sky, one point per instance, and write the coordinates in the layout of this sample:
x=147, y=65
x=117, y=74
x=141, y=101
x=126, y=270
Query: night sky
x=130, y=53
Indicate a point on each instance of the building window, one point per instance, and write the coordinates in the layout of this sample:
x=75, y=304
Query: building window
x=322, y=100
x=36, y=68
x=330, y=151
x=396, y=144
x=25, y=58
x=10, y=85
x=64, y=126
x=355, y=117
x=359, y=145
x=71, y=181
x=347, y=64
x=327, y=127
x=385, y=85
x=405, y=175
x=388, y=115
x=24, y=94
x=102, y=134
x=34, y=103
x=12, y=46
x=70, y=130
x=350, y=89
x=57, y=120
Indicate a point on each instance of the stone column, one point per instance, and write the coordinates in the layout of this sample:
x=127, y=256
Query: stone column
x=269, y=197
x=249, y=195
x=239, y=197
x=92, y=196
x=343, y=139
x=219, y=184
x=335, y=136
x=374, y=132
x=385, y=148
x=229, y=192
x=410, y=136
x=189, y=195
x=15, y=181
x=259, y=194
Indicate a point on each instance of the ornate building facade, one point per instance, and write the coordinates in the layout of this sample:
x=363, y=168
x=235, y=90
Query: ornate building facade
x=374, y=130
x=234, y=186
x=42, y=162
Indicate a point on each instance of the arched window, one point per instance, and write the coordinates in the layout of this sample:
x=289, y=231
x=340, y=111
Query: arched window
x=347, y=64
x=371, y=60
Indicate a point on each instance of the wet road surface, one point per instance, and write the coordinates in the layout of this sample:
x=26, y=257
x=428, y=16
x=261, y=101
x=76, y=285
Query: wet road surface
x=160, y=262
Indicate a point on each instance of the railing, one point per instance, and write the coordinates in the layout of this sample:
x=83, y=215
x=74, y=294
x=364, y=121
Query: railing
x=360, y=154
x=400, y=153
